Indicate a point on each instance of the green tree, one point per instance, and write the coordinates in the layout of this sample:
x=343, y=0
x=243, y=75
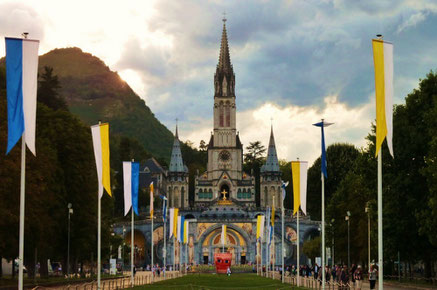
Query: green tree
x=340, y=159
x=48, y=90
x=253, y=160
x=312, y=248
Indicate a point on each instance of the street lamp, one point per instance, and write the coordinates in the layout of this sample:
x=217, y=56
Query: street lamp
x=70, y=212
x=333, y=242
x=367, y=210
x=348, y=240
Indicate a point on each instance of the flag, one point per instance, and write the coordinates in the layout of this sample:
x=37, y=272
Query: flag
x=151, y=199
x=21, y=87
x=270, y=234
x=260, y=227
x=180, y=234
x=135, y=185
x=164, y=207
x=171, y=218
x=322, y=125
x=223, y=237
x=299, y=171
x=175, y=222
x=100, y=134
x=283, y=186
x=186, y=231
x=272, y=221
x=383, y=61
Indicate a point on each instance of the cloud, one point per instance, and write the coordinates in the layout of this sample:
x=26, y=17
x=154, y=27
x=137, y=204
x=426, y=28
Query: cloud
x=294, y=134
x=413, y=20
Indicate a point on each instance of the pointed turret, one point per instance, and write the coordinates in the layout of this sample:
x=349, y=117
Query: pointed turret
x=224, y=57
x=176, y=162
x=224, y=78
x=272, y=164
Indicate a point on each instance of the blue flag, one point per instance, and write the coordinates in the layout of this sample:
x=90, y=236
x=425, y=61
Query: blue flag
x=164, y=207
x=322, y=125
x=135, y=184
x=21, y=87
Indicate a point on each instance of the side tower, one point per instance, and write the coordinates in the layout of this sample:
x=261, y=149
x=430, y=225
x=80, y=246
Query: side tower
x=270, y=183
x=177, y=178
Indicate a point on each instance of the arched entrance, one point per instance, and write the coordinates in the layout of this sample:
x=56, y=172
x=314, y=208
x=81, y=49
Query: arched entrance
x=235, y=244
x=139, y=247
x=224, y=191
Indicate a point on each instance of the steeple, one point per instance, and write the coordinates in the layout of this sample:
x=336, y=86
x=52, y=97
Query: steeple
x=176, y=162
x=224, y=78
x=224, y=57
x=272, y=164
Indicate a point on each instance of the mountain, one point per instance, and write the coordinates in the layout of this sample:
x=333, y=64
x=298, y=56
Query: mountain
x=94, y=92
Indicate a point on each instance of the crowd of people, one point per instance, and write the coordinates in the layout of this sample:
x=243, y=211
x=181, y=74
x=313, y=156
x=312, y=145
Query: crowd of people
x=346, y=278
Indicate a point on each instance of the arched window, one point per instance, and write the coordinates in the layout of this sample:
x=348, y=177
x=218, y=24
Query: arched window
x=228, y=115
x=221, y=114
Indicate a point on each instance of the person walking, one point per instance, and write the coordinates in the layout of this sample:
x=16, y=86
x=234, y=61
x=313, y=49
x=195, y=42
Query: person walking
x=344, y=278
x=372, y=276
x=358, y=276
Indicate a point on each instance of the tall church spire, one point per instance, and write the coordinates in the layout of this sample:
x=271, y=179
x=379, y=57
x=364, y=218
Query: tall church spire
x=224, y=78
x=272, y=164
x=224, y=58
x=176, y=162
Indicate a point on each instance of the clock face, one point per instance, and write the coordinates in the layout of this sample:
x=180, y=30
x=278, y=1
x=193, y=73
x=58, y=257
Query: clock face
x=225, y=156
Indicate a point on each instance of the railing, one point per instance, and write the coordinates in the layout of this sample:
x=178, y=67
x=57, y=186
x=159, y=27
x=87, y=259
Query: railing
x=310, y=282
x=142, y=278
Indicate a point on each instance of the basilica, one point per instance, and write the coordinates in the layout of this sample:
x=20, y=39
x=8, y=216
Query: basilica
x=224, y=194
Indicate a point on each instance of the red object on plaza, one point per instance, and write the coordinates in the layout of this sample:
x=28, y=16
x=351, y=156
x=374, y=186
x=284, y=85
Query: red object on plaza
x=222, y=262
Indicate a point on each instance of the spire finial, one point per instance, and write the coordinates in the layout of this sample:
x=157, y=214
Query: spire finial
x=224, y=17
x=176, y=134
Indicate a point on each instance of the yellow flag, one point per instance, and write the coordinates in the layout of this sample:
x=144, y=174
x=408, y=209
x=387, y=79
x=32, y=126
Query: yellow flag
x=175, y=222
x=272, y=218
x=100, y=135
x=295, y=169
x=151, y=199
x=106, y=169
x=259, y=226
x=383, y=61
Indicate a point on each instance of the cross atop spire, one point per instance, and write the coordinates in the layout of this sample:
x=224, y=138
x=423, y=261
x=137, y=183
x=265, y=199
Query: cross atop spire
x=224, y=17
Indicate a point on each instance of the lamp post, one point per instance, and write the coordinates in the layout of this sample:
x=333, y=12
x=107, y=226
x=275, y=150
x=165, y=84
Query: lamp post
x=347, y=218
x=70, y=212
x=333, y=242
x=367, y=210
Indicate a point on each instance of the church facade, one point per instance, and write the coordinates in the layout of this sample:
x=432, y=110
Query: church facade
x=224, y=194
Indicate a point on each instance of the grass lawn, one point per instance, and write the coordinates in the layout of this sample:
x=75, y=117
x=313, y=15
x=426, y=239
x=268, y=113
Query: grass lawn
x=215, y=281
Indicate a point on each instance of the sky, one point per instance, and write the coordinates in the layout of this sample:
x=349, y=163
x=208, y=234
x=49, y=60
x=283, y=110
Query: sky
x=295, y=61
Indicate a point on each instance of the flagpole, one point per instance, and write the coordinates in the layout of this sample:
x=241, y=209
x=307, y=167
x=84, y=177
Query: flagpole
x=273, y=239
x=180, y=257
x=282, y=250
x=380, y=244
x=323, y=231
x=132, y=246
x=22, y=208
x=174, y=252
x=99, y=232
x=186, y=256
x=164, y=250
x=298, y=253
x=257, y=257
x=151, y=241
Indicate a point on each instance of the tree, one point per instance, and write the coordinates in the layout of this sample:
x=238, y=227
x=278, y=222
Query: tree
x=340, y=159
x=253, y=160
x=48, y=87
x=312, y=248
